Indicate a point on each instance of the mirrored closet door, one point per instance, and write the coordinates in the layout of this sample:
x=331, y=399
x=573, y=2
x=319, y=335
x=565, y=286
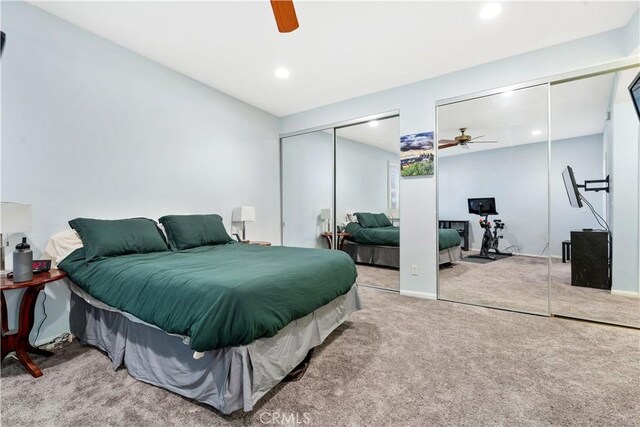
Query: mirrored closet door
x=492, y=166
x=367, y=199
x=307, y=189
x=594, y=199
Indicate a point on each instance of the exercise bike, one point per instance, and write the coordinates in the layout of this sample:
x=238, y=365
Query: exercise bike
x=490, y=241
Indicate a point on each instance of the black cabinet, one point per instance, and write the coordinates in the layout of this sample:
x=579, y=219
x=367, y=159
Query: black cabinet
x=462, y=227
x=590, y=259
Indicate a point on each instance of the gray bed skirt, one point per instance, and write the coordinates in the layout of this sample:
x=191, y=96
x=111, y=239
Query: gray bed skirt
x=384, y=256
x=450, y=255
x=389, y=256
x=228, y=379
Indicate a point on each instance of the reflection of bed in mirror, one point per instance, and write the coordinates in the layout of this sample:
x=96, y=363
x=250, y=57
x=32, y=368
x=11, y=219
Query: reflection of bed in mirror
x=379, y=245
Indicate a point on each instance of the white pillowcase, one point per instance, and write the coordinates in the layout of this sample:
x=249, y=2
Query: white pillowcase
x=61, y=245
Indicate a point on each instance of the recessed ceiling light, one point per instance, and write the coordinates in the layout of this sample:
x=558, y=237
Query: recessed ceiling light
x=282, y=73
x=490, y=10
x=373, y=123
x=536, y=133
x=508, y=93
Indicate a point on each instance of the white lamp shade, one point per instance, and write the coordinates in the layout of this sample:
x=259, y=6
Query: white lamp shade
x=394, y=213
x=325, y=214
x=244, y=214
x=15, y=217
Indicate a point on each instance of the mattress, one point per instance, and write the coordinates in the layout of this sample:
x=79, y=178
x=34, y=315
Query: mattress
x=383, y=236
x=219, y=296
x=390, y=236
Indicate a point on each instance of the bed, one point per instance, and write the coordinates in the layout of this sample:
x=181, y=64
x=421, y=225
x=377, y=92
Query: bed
x=221, y=324
x=379, y=245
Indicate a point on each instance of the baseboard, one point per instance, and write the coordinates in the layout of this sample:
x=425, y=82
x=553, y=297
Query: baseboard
x=416, y=294
x=629, y=294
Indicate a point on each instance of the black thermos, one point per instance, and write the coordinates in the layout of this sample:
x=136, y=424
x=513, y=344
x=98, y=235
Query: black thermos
x=22, y=262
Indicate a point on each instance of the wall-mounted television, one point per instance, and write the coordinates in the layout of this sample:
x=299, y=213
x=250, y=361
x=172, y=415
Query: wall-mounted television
x=572, y=187
x=634, y=90
x=482, y=206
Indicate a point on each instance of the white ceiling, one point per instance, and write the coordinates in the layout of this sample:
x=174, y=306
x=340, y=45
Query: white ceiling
x=386, y=135
x=341, y=50
x=578, y=108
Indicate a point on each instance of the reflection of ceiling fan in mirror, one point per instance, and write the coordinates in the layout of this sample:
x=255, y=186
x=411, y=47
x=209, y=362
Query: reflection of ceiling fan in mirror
x=462, y=140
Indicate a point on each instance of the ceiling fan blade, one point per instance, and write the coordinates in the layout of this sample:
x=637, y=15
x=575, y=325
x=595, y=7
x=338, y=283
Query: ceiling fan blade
x=447, y=141
x=476, y=137
x=285, y=14
x=483, y=142
x=447, y=144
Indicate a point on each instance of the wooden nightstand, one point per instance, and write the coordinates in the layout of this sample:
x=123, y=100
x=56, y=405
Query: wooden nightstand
x=18, y=341
x=329, y=238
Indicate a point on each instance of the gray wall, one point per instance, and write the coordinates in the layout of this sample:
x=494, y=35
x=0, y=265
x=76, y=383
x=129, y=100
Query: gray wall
x=92, y=129
x=517, y=178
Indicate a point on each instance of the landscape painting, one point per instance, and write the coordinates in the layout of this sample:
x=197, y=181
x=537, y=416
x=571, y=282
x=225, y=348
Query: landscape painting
x=416, y=154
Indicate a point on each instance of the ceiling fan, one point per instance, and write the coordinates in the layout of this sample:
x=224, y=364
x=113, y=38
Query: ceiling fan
x=285, y=14
x=462, y=140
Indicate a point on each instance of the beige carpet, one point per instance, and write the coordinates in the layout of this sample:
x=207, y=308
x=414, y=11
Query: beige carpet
x=379, y=277
x=520, y=283
x=400, y=362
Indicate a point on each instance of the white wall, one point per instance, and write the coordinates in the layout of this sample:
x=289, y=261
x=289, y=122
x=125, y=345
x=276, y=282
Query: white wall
x=416, y=103
x=517, y=177
x=361, y=177
x=92, y=129
x=307, y=187
x=624, y=198
x=585, y=156
x=307, y=183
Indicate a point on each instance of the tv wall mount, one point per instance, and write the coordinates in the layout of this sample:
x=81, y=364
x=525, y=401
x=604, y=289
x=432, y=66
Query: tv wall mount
x=595, y=184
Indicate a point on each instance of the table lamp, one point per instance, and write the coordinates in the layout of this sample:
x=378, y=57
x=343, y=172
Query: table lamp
x=325, y=215
x=244, y=214
x=393, y=213
x=14, y=218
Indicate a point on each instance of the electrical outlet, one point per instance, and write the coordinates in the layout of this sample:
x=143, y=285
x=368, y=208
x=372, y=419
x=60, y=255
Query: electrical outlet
x=414, y=270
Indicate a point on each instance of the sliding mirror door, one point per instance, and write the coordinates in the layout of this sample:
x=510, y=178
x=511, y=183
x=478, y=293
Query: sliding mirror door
x=367, y=184
x=307, y=189
x=493, y=200
x=594, y=232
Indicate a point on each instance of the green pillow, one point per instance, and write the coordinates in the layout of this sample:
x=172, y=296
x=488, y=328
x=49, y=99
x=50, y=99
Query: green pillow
x=105, y=238
x=190, y=231
x=366, y=219
x=382, y=220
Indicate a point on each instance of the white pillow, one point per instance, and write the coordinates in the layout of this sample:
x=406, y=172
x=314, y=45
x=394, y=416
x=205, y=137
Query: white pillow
x=61, y=245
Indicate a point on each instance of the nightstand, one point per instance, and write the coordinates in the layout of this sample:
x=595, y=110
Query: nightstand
x=329, y=238
x=256, y=242
x=18, y=341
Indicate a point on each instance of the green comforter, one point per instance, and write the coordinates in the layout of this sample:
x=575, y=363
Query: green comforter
x=390, y=236
x=384, y=236
x=448, y=238
x=224, y=295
